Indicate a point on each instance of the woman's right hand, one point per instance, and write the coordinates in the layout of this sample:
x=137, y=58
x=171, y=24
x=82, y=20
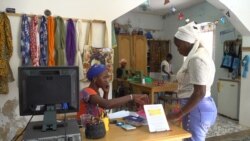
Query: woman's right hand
x=140, y=98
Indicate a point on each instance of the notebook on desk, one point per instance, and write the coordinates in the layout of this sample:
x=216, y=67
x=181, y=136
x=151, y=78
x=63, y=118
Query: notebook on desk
x=156, y=118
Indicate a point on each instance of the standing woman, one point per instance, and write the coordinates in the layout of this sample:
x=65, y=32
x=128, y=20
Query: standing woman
x=91, y=101
x=195, y=78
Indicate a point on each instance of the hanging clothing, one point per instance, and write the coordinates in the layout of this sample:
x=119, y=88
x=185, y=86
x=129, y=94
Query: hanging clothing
x=34, y=41
x=60, y=41
x=80, y=44
x=245, y=63
x=6, y=50
x=51, y=41
x=25, y=40
x=70, y=43
x=43, y=41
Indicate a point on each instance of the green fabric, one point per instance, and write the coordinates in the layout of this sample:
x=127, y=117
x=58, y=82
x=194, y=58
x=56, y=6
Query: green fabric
x=114, y=43
x=60, y=41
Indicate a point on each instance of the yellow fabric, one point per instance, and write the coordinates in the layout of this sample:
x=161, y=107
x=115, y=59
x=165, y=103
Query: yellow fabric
x=6, y=50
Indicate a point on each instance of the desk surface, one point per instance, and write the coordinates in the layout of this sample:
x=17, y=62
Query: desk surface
x=142, y=133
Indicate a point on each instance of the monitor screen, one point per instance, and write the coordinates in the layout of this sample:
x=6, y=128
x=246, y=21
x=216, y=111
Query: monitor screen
x=40, y=87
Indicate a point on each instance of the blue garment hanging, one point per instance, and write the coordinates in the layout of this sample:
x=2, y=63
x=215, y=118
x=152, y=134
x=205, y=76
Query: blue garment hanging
x=245, y=63
x=25, y=40
x=43, y=41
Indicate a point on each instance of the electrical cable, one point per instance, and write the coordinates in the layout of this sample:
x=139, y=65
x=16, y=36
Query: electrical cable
x=17, y=136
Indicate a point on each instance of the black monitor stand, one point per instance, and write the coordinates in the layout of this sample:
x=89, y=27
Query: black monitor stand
x=49, y=119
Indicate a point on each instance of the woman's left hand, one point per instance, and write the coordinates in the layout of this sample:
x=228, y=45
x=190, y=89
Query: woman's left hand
x=105, y=89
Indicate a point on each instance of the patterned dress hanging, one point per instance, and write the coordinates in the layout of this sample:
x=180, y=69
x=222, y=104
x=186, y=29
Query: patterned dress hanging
x=34, y=41
x=6, y=50
x=43, y=41
x=25, y=40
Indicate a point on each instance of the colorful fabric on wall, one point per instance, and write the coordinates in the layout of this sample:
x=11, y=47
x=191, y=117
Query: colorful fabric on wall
x=98, y=55
x=34, y=41
x=25, y=40
x=43, y=41
x=51, y=41
x=6, y=50
x=245, y=63
x=60, y=41
x=80, y=44
x=70, y=43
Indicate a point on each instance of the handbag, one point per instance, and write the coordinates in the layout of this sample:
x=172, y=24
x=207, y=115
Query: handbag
x=95, y=129
x=97, y=55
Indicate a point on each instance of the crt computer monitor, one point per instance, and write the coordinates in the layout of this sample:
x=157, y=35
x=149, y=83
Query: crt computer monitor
x=44, y=87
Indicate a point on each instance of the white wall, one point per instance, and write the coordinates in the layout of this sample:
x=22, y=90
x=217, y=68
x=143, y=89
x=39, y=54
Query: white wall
x=144, y=21
x=238, y=12
x=203, y=12
x=84, y=9
x=244, y=114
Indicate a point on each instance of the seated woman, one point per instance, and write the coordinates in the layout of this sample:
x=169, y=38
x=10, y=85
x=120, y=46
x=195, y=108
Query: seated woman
x=121, y=72
x=91, y=102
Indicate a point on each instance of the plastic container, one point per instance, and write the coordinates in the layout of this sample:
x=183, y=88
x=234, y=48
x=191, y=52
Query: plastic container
x=148, y=80
x=85, y=118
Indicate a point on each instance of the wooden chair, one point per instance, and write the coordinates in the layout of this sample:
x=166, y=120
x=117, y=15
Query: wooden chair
x=170, y=101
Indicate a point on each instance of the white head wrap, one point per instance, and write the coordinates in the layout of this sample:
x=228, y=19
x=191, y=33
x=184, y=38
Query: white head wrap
x=190, y=34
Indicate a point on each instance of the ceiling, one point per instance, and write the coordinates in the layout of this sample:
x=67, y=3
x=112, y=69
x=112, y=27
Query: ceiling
x=157, y=7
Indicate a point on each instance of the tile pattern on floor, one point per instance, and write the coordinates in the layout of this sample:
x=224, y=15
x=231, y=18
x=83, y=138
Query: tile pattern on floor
x=224, y=126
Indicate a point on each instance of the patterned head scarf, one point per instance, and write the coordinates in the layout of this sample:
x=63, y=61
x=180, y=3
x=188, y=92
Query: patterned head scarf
x=95, y=70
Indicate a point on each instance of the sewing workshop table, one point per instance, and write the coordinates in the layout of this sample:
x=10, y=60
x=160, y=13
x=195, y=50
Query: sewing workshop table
x=142, y=133
x=152, y=88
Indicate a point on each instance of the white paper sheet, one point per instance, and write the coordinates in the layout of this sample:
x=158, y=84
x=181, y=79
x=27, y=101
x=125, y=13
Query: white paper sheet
x=121, y=114
x=156, y=118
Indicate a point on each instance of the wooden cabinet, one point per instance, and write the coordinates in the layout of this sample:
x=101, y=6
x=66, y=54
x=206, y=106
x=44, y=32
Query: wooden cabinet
x=133, y=48
x=157, y=51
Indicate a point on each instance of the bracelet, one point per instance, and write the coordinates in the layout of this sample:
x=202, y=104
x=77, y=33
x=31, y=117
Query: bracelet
x=131, y=97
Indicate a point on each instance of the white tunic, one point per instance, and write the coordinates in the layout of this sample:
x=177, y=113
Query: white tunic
x=167, y=67
x=200, y=71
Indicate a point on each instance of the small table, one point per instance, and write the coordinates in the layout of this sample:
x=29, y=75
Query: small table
x=142, y=133
x=153, y=88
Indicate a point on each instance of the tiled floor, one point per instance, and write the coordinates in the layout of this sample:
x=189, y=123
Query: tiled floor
x=224, y=126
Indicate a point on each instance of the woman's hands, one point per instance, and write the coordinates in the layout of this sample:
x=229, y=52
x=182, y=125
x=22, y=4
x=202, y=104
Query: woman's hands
x=140, y=98
x=106, y=88
x=105, y=91
x=174, y=116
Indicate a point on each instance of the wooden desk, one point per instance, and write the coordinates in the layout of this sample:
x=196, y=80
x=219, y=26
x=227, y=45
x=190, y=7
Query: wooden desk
x=142, y=133
x=153, y=88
